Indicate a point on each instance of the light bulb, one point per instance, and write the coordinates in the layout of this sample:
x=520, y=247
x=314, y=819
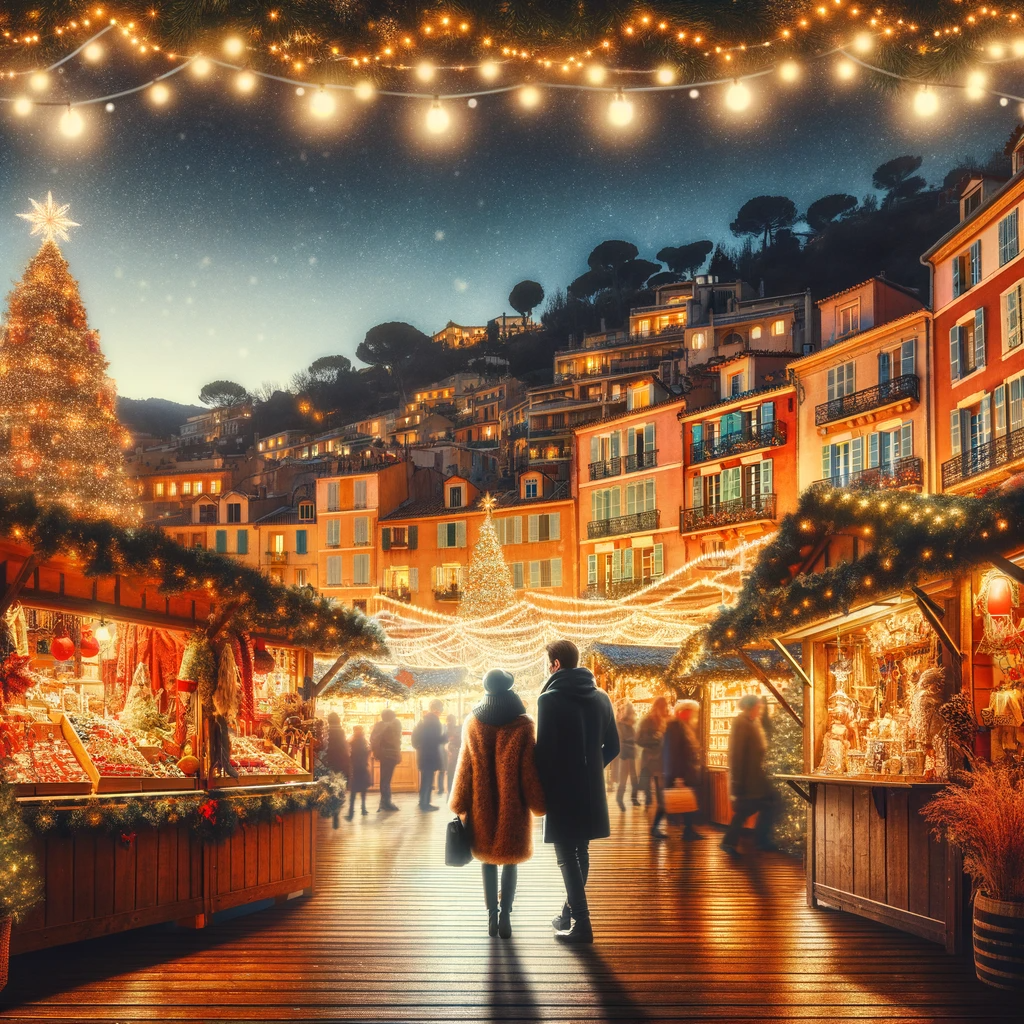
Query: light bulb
x=425, y=71
x=39, y=82
x=738, y=97
x=489, y=71
x=93, y=52
x=438, y=119
x=201, y=67
x=1017, y=46
x=529, y=96
x=845, y=69
x=926, y=103
x=300, y=91
x=23, y=106
x=159, y=93
x=863, y=42
x=245, y=82
x=102, y=633
x=620, y=111
x=596, y=74
x=997, y=50
x=322, y=104
x=71, y=123
x=665, y=76
x=109, y=107
x=233, y=46
x=694, y=93
x=364, y=91
x=789, y=71
x=975, y=85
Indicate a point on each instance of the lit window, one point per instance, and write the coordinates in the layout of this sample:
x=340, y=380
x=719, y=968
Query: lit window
x=530, y=489
x=305, y=511
x=197, y=487
x=186, y=487
x=215, y=487
x=755, y=333
x=455, y=497
x=778, y=328
x=697, y=340
x=173, y=489
x=158, y=490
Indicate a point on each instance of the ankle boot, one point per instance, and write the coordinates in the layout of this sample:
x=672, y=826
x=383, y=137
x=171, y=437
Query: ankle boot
x=505, y=923
x=562, y=921
x=492, y=923
x=581, y=933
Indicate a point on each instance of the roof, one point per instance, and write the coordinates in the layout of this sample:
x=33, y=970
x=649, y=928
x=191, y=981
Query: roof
x=431, y=680
x=180, y=518
x=718, y=665
x=912, y=292
x=745, y=397
x=625, y=415
x=625, y=656
x=284, y=516
x=860, y=336
x=427, y=507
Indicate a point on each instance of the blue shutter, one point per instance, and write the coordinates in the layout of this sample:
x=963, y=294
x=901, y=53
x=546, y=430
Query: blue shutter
x=872, y=450
x=627, y=563
x=976, y=263
x=413, y=537
x=979, y=337
x=300, y=542
x=957, y=283
x=907, y=358
x=659, y=560
x=858, y=454
x=242, y=542
x=907, y=440
x=954, y=431
x=221, y=542
x=697, y=497
x=884, y=367
x=385, y=538
x=954, y=352
x=617, y=565
x=591, y=570
x=826, y=461
x=999, y=404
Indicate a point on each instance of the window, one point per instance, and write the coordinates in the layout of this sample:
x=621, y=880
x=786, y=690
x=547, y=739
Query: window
x=697, y=340
x=446, y=580
x=733, y=338
x=967, y=346
x=359, y=494
x=277, y=543
x=840, y=381
x=967, y=269
x=544, y=527
x=242, y=542
x=640, y=497
x=455, y=497
x=451, y=535
x=334, y=533
x=181, y=538
x=546, y=573
x=198, y=541
x=234, y=512
x=186, y=487
x=736, y=384
x=1016, y=392
x=361, y=570
x=605, y=504
x=300, y=542
x=1008, y=243
x=208, y=514
x=731, y=484
x=755, y=333
x=158, y=490
x=517, y=575
x=361, y=531
x=643, y=326
x=300, y=577
x=1012, y=302
x=509, y=530
x=713, y=551
x=334, y=570
x=197, y=487
x=530, y=489
x=333, y=498
x=847, y=319
x=215, y=487
x=778, y=328
x=886, y=446
x=639, y=398
x=972, y=202
x=172, y=489
x=220, y=542
x=306, y=511
x=840, y=461
x=971, y=429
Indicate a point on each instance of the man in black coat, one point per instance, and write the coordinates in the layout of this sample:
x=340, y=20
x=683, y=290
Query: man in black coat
x=576, y=740
x=427, y=738
x=750, y=788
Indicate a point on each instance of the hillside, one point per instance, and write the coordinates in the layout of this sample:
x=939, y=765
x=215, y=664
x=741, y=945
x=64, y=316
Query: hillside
x=156, y=416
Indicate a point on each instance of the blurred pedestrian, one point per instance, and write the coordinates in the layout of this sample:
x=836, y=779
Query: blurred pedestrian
x=427, y=740
x=649, y=739
x=680, y=764
x=359, y=775
x=386, y=743
x=626, y=760
x=337, y=754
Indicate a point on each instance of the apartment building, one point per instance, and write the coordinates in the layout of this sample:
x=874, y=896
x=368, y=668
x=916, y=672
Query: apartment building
x=426, y=544
x=217, y=425
x=454, y=335
x=977, y=292
x=865, y=402
x=628, y=484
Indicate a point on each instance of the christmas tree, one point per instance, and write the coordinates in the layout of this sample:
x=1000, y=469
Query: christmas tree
x=59, y=435
x=21, y=885
x=488, y=587
x=786, y=757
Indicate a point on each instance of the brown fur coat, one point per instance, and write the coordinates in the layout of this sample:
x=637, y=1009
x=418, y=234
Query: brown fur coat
x=496, y=787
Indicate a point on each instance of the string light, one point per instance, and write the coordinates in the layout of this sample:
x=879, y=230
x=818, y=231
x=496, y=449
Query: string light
x=245, y=82
x=596, y=74
x=620, y=110
x=71, y=123
x=863, y=42
x=438, y=119
x=975, y=89
x=93, y=52
x=926, y=103
x=489, y=71
x=159, y=94
x=425, y=71
x=364, y=90
x=322, y=104
x=789, y=71
x=233, y=46
x=201, y=67
x=39, y=82
x=529, y=96
x=665, y=76
x=846, y=69
x=738, y=97
x=23, y=106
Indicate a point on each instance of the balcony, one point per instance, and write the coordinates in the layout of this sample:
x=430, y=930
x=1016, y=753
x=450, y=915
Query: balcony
x=642, y=460
x=397, y=593
x=899, y=389
x=621, y=588
x=277, y=557
x=908, y=472
x=1000, y=451
x=452, y=593
x=603, y=470
x=639, y=522
x=727, y=513
x=770, y=435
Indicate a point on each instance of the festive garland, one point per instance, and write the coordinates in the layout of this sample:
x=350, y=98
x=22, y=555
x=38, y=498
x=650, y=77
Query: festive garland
x=211, y=816
x=912, y=538
x=361, y=678
x=104, y=549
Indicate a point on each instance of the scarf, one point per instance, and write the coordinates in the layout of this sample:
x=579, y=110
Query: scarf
x=499, y=708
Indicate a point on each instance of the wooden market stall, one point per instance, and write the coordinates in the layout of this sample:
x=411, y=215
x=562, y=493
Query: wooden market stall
x=177, y=816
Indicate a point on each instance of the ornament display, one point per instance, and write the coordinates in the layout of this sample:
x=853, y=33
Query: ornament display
x=62, y=648
x=89, y=645
x=250, y=756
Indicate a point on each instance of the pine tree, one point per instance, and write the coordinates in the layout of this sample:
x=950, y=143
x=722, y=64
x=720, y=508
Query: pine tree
x=785, y=756
x=488, y=588
x=21, y=884
x=59, y=435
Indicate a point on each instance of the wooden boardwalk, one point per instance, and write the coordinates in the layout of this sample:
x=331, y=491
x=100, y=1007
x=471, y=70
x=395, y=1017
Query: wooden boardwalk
x=392, y=935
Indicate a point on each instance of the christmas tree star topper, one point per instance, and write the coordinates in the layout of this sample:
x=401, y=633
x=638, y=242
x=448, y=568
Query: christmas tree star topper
x=50, y=219
x=489, y=503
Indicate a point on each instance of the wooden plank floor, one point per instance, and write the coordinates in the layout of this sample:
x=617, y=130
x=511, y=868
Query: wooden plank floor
x=392, y=935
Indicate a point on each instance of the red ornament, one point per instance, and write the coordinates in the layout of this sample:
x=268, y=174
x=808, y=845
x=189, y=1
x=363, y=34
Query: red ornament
x=89, y=645
x=62, y=648
x=1000, y=596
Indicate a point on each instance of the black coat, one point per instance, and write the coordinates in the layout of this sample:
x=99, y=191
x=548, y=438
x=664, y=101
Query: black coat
x=748, y=745
x=680, y=754
x=576, y=739
x=386, y=740
x=359, y=774
x=427, y=739
x=337, y=755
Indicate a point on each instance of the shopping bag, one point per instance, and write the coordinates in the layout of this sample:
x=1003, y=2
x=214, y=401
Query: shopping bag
x=679, y=800
x=457, y=851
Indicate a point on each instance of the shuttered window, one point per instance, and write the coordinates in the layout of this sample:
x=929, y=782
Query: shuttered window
x=361, y=530
x=300, y=542
x=359, y=494
x=361, y=569
x=334, y=570
x=242, y=542
x=220, y=542
x=333, y=498
x=334, y=533
x=1008, y=242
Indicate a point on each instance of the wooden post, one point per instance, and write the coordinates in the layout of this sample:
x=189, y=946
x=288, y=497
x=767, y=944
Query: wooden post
x=18, y=583
x=763, y=676
x=793, y=663
x=329, y=675
x=956, y=658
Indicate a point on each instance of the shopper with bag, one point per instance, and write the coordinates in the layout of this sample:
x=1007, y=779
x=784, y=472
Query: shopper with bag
x=681, y=772
x=496, y=788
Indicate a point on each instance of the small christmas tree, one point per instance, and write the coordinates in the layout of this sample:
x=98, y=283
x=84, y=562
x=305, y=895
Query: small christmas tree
x=21, y=885
x=59, y=435
x=488, y=588
x=785, y=756
x=140, y=709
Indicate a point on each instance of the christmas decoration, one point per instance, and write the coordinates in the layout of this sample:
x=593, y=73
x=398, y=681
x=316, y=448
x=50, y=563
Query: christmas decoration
x=262, y=660
x=59, y=434
x=226, y=693
x=785, y=756
x=140, y=712
x=488, y=587
x=49, y=219
x=62, y=648
x=21, y=885
x=89, y=645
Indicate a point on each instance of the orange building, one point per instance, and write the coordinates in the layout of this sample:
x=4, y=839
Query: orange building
x=628, y=484
x=864, y=398
x=426, y=544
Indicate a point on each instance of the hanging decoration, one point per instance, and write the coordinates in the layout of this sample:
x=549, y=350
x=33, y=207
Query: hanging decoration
x=997, y=599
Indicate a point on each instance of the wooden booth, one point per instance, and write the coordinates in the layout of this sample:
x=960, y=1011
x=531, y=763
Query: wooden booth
x=139, y=820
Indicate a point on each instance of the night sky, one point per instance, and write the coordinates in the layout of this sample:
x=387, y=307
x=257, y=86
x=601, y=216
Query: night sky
x=231, y=237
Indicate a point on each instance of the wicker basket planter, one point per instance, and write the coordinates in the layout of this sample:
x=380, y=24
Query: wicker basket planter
x=999, y=942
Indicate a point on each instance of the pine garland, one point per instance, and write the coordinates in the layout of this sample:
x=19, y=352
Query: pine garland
x=21, y=883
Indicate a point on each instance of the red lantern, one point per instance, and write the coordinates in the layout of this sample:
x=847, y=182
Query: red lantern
x=1000, y=596
x=90, y=646
x=63, y=648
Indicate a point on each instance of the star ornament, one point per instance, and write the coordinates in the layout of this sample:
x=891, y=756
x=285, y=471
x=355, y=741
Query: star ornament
x=489, y=503
x=50, y=219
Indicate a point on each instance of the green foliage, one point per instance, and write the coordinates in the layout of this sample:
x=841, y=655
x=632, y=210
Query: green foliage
x=399, y=348
x=525, y=297
x=786, y=757
x=21, y=884
x=686, y=259
x=763, y=216
x=219, y=393
x=823, y=211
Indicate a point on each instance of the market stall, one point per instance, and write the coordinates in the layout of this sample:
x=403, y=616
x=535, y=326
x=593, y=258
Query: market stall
x=156, y=788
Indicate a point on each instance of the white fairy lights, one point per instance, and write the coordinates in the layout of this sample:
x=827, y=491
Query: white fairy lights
x=926, y=103
x=529, y=96
x=322, y=104
x=620, y=110
x=738, y=97
x=71, y=123
x=438, y=119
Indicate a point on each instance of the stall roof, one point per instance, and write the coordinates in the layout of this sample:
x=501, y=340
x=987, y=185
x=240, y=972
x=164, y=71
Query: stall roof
x=626, y=656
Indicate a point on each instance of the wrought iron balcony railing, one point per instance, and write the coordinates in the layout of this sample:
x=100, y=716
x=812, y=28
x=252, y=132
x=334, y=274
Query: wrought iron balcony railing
x=453, y=593
x=397, y=593
x=620, y=588
x=896, y=390
x=601, y=470
x=641, y=460
x=908, y=472
x=638, y=522
x=277, y=557
x=770, y=435
x=727, y=513
x=991, y=455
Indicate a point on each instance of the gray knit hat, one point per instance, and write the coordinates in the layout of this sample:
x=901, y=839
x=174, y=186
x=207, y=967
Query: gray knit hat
x=498, y=681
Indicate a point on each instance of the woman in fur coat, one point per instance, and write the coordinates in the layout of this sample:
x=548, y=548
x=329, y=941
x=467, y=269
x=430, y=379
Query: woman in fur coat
x=496, y=788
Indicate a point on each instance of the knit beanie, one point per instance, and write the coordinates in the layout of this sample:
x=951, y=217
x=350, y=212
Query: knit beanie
x=498, y=681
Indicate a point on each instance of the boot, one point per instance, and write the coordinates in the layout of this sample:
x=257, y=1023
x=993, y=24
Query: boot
x=620, y=802
x=580, y=934
x=562, y=922
x=505, y=924
x=491, y=898
x=690, y=834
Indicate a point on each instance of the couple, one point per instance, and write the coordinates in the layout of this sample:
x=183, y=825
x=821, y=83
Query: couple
x=503, y=775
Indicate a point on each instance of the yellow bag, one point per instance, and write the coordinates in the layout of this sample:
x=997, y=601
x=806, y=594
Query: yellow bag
x=679, y=800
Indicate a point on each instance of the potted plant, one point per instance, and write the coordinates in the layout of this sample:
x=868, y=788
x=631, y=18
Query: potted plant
x=982, y=814
x=21, y=885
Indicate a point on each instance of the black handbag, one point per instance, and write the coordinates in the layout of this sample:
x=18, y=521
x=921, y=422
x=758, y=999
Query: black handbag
x=457, y=850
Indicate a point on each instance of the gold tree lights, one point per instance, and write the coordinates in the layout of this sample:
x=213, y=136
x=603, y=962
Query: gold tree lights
x=59, y=434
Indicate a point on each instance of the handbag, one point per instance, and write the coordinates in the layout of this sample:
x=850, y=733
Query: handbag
x=457, y=848
x=679, y=800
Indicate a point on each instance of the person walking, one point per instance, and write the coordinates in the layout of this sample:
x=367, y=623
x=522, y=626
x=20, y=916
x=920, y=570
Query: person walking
x=649, y=739
x=576, y=741
x=496, y=787
x=427, y=739
x=336, y=756
x=680, y=763
x=359, y=774
x=452, y=750
x=749, y=786
x=386, y=744
x=627, y=755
